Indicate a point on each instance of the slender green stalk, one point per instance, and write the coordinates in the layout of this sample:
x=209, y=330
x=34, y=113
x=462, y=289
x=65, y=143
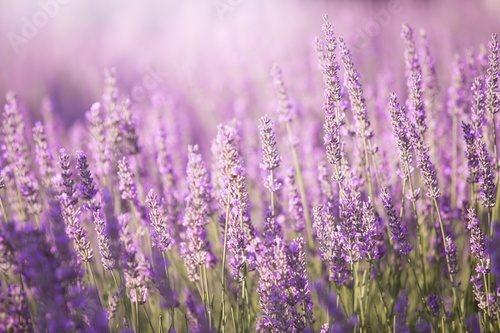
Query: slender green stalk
x=222, y=320
x=160, y=323
x=271, y=174
x=453, y=288
x=136, y=311
x=419, y=235
x=454, y=164
x=149, y=319
x=300, y=183
x=4, y=212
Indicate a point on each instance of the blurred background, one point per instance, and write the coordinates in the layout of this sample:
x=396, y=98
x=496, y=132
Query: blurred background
x=212, y=55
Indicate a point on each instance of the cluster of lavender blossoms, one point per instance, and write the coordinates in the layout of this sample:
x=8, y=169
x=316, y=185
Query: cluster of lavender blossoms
x=368, y=204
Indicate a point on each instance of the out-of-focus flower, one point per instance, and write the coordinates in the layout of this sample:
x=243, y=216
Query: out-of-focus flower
x=136, y=267
x=399, y=232
x=196, y=248
x=159, y=228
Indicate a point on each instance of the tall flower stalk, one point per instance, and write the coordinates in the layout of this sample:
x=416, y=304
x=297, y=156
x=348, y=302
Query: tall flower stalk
x=286, y=114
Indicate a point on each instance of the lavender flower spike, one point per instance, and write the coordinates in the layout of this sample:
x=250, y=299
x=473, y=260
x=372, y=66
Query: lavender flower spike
x=161, y=236
x=70, y=210
x=399, y=232
x=470, y=138
x=197, y=215
x=486, y=175
x=87, y=186
x=295, y=208
x=477, y=243
x=128, y=189
x=233, y=195
x=300, y=294
x=400, y=129
x=43, y=155
x=285, y=107
x=414, y=80
x=136, y=268
x=355, y=90
x=493, y=72
x=270, y=156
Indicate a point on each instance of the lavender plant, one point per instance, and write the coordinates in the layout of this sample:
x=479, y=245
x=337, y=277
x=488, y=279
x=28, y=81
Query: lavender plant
x=355, y=214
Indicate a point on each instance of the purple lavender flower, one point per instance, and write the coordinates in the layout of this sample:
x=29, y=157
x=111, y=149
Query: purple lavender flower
x=169, y=181
x=45, y=277
x=113, y=303
x=160, y=232
x=458, y=88
x=399, y=233
x=169, y=298
x=477, y=105
x=70, y=210
x=108, y=259
x=492, y=99
x=14, y=145
x=334, y=117
x=326, y=53
x=331, y=245
x=128, y=130
x=67, y=185
x=328, y=300
x=270, y=157
x=295, y=208
x=233, y=198
x=424, y=163
x=414, y=80
x=434, y=304
x=355, y=90
x=401, y=309
x=196, y=315
x=451, y=255
x=324, y=184
x=136, y=267
x=477, y=243
x=43, y=155
x=401, y=132
x=271, y=231
x=285, y=109
x=470, y=138
x=486, y=175
x=325, y=328
x=196, y=248
x=128, y=189
x=52, y=274
x=164, y=161
x=299, y=294
x=16, y=155
x=430, y=86
x=14, y=312
x=412, y=63
x=101, y=154
x=87, y=186
x=272, y=269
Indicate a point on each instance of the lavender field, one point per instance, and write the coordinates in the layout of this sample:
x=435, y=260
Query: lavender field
x=249, y=166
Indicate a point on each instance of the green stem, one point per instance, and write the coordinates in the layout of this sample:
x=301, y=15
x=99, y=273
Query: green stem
x=271, y=175
x=419, y=235
x=454, y=165
x=222, y=319
x=136, y=311
x=441, y=227
x=300, y=183
x=4, y=212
